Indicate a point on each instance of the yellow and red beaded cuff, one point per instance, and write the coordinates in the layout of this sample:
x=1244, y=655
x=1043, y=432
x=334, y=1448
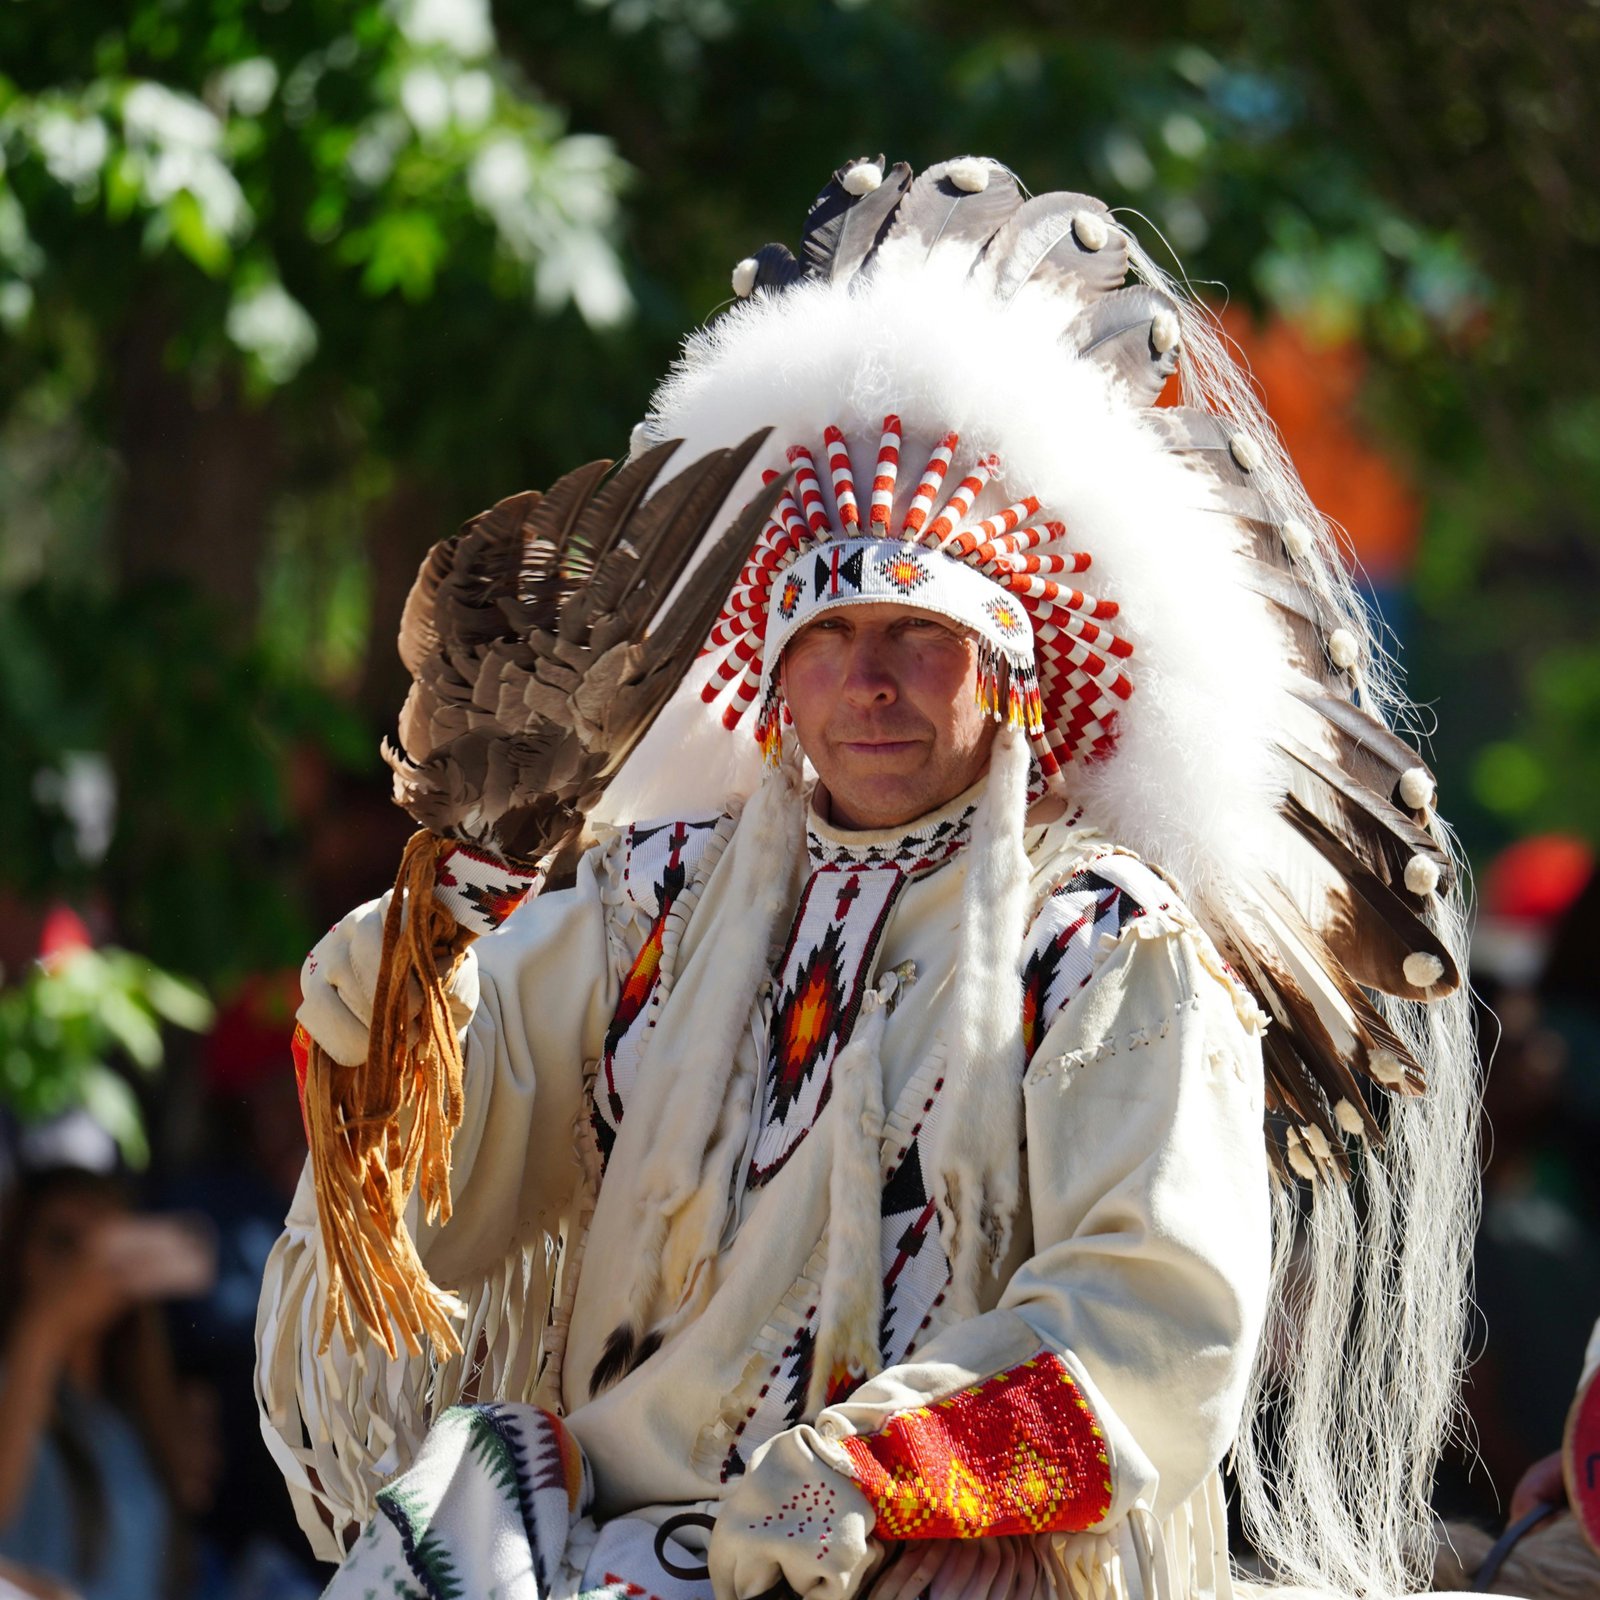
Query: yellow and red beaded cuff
x=478, y=889
x=1019, y=1453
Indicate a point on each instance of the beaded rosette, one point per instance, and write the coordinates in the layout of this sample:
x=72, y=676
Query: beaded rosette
x=1047, y=661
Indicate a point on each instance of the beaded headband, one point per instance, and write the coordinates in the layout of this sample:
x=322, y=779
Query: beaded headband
x=1045, y=662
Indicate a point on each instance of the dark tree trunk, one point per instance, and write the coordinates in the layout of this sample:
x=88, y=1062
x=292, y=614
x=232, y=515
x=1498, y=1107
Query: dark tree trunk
x=201, y=470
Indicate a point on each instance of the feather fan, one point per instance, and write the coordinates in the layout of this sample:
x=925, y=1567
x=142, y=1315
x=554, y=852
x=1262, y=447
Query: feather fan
x=541, y=648
x=525, y=635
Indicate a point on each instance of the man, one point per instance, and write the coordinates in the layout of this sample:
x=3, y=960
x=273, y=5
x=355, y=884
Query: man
x=870, y=1174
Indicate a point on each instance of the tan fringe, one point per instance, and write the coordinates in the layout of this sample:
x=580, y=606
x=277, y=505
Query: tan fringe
x=383, y=1130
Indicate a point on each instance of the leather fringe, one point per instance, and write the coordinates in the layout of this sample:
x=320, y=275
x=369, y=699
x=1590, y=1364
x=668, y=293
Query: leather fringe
x=382, y=1131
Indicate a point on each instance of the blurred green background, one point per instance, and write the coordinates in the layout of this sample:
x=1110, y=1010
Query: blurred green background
x=289, y=288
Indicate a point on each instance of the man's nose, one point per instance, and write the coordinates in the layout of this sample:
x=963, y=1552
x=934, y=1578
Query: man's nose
x=869, y=676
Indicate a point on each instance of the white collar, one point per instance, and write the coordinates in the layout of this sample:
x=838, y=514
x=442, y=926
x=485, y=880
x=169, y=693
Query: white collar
x=914, y=847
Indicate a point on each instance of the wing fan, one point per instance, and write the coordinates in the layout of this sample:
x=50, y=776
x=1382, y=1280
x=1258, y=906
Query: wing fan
x=540, y=654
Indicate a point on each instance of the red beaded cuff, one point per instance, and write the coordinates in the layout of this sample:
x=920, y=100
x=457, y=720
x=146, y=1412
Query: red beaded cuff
x=1018, y=1453
x=478, y=889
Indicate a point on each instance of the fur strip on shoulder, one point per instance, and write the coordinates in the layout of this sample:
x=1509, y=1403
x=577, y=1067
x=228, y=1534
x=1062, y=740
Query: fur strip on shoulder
x=977, y=1157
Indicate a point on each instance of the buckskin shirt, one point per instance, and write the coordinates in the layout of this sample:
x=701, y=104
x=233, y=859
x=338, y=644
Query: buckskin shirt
x=1062, y=1437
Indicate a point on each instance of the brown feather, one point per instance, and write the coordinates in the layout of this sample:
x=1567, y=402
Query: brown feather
x=1374, y=931
x=1037, y=244
x=1357, y=1029
x=418, y=636
x=482, y=569
x=1317, y=1049
x=1116, y=334
x=1302, y=1098
x=604, y=557
x=1307, y=628
x=843, y=229
x=602, y=524
x=1296, y=609
x=547, y=532
x=1367, y=747
x=685, y=626
x=1205, y=438
x=670, y=536
x=1248, y=511
x=530, y=679
x=1380, y=833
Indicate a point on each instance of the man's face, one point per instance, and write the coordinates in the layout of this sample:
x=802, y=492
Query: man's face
x=884, y=699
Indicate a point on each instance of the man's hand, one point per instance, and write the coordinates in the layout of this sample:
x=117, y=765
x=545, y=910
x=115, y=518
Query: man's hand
x=340, y=977
x=1542, y=1482
x=793, y=1517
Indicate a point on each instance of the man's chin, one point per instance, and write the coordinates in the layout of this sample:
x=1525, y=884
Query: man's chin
x=882, y=785
x=881, y=798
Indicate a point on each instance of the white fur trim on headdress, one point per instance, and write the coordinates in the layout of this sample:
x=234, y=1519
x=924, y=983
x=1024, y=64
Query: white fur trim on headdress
x=1423, y=969
x=1343, y=648
x=862, y=178
x=1091, y=229
x=1422, y=875
x=969, y=173
x=1416, y=788
x=947, y=357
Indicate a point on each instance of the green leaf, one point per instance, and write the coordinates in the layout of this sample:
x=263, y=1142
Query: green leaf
x=132, y=1028
x=124, y=187
x=1508, y=778
x=112, y=1103
x=195, y=237
x=175, y=1000
x=404, y=250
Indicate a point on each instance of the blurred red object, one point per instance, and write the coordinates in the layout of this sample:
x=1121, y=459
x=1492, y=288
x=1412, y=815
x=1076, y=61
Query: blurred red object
x=1537, y=879
x=64, y=934
x=1525, y=894
x=250, y=1041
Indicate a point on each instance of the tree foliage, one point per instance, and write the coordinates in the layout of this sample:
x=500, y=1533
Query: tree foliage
x=288, y=289
x=67, y=1016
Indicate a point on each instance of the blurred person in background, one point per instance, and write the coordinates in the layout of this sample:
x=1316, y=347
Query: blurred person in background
x=248, y=1153
x=101, y=1449
x=1537, y=1255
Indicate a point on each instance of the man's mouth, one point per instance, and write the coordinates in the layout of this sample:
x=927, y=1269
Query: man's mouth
x=877, y=746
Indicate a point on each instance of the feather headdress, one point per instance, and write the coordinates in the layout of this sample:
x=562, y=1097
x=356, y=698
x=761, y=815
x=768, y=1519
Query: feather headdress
x=1018, y=345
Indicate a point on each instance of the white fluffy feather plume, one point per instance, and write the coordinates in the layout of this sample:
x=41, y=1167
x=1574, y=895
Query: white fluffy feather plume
x=1207, y=667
